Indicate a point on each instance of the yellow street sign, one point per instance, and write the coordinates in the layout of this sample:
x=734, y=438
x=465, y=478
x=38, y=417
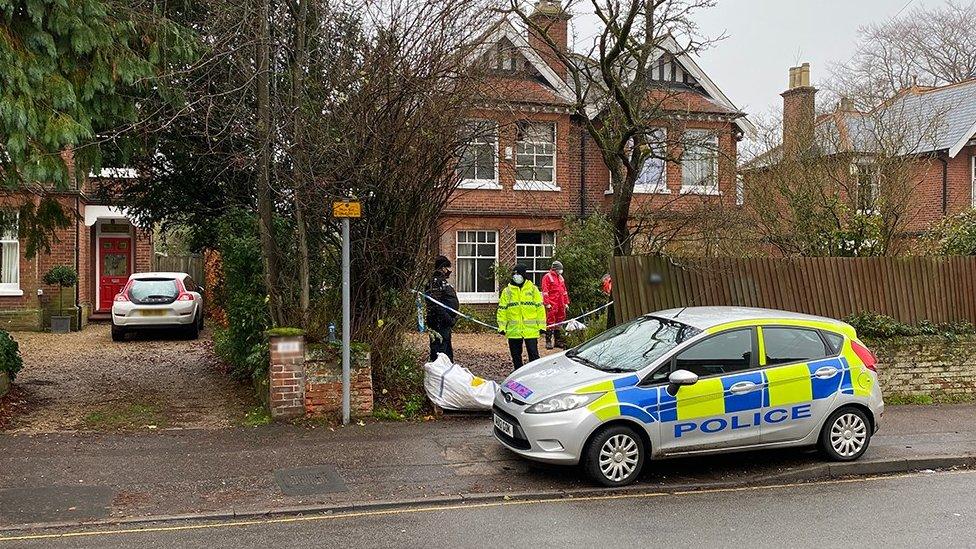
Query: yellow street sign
x=347, y=209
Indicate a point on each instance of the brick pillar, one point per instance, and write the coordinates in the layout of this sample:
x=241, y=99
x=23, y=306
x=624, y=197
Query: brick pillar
x=287, y=380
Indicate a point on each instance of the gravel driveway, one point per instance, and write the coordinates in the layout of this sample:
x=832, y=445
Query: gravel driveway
x=85, y=382
x=485, y=354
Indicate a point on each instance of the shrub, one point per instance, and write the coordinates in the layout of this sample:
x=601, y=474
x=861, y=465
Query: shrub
x=954, y=235
x=402, y=378
x=242, y=344
x=63, y=277
x=10, y=360
x=877, y=326
x=585, y=248
x=595, y=325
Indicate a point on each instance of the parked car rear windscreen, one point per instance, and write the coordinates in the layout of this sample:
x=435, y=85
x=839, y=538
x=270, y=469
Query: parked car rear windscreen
x=153, y=291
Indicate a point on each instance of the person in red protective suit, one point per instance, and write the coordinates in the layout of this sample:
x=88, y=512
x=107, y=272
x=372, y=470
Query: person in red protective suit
x=556, y=299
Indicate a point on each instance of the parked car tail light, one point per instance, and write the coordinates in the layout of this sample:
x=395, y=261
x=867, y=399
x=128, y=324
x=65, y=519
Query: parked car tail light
x=184, y=297
x=866, y=356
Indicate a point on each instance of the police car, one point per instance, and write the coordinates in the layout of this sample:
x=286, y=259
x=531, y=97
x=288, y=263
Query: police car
x=694, y=381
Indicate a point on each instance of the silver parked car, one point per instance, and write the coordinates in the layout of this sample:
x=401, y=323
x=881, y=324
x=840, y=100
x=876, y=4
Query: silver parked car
x=691, y=381
x=158, y=301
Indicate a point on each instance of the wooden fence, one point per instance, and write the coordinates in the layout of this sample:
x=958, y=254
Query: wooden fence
x=910, y=289
x=191, y=264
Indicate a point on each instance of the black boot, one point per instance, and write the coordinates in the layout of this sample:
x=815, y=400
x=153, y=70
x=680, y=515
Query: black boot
x=549, y=338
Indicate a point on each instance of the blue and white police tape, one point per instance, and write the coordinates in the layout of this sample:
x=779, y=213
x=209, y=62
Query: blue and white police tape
x=486, y=325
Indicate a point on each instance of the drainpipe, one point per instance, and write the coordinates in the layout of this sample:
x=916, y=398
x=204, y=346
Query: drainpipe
x=945, y=184
x=81, y=220
x=582, y=172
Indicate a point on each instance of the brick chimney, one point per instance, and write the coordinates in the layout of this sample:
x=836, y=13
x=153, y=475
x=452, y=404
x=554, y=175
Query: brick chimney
x=799, y=111
x=550, y=16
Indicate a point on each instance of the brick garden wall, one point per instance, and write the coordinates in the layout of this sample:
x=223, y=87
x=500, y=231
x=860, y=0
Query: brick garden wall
x=927, y=365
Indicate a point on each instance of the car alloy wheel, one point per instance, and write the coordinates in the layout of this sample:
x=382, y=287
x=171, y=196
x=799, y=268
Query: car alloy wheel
x=619, y=457
x=848, y=435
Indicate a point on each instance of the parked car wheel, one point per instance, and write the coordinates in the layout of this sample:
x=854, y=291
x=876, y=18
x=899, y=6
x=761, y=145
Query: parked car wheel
x=846, y=434
x=193, y=330
x=615, y=456
x=118, y=333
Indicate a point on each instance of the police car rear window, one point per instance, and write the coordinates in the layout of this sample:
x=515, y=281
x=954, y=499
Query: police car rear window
x=789, y=345
x=834, y=341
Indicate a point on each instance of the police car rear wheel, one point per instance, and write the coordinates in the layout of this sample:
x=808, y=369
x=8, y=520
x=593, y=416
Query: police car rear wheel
x=846, y=434
x=615, y=456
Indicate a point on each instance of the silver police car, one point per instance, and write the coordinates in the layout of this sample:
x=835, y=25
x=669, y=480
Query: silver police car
x=694, y=381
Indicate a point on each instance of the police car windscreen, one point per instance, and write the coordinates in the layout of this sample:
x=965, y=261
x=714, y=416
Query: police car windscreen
x=632, y=346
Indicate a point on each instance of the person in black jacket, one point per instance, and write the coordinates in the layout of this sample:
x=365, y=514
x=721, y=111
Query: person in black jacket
x=440, y=321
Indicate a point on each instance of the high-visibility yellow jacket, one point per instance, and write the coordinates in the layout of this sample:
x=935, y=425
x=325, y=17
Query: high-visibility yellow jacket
x=521, y=314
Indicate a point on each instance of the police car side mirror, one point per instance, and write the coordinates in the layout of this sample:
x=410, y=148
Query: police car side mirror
x=682, y=377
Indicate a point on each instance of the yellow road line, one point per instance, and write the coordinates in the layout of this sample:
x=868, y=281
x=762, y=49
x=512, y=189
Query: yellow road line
x=460, y=506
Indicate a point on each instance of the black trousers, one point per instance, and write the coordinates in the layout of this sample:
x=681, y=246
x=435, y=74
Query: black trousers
x=442, y=346
x=515, y=347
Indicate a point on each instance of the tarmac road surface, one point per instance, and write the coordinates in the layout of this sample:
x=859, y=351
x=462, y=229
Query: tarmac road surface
x=934, y=509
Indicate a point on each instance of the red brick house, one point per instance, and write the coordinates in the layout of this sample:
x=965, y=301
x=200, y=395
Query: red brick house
x=101, y=243
x=532, y=163
x=935, y=126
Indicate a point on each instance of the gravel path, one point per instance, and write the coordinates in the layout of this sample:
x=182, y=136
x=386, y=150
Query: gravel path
x=85, y=382
x=486, y=355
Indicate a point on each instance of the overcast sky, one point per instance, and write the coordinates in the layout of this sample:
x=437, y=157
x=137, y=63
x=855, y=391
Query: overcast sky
x=767, y=37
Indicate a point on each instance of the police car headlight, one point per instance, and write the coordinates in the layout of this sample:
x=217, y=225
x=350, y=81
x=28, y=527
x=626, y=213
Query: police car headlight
x=562, y=403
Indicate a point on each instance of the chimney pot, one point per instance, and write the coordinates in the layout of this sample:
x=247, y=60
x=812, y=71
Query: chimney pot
x=799, y=111
x=553, y=20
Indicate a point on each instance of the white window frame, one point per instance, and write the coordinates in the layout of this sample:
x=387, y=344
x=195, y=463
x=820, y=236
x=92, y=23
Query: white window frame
x=12, y=289
x=972, y=172
x=483, y=184
x=522, y=185
x=692, y=139
x=740, y=190
x=474, y=297
x=661, y=187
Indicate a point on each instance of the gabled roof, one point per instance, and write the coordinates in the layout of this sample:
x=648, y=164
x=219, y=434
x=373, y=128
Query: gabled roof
x=505, y=30
x=714, y=100
x=715, y=93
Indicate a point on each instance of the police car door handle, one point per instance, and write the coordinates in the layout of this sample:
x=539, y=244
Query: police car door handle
x=743, y=387
x=826, y=372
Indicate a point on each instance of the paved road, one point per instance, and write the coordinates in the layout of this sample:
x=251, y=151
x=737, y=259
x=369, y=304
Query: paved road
x=934, y=509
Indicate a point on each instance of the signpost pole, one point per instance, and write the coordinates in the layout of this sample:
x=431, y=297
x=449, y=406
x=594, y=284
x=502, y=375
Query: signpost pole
x=346, y=320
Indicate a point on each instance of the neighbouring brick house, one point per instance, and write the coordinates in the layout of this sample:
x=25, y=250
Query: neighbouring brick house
x=935, y=125
x=101, y=243
x=532, y=163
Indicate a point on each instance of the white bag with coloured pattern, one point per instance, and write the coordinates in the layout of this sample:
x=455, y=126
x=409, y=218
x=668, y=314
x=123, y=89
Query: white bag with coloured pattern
x=453, y=387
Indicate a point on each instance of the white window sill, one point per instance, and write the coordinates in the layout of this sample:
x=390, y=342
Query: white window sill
x=477, y=297
x=638, y=190
x=704, y=191
x=11, y=293
x=535, y=186
x=476, y=185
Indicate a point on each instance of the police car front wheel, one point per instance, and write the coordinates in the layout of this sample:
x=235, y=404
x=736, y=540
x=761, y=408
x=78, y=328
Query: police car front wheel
x=846, y=434
x=615, y=456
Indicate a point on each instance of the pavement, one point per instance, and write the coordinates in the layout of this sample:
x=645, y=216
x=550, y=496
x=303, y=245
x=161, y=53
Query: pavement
x=912, y=510
x=65, y=479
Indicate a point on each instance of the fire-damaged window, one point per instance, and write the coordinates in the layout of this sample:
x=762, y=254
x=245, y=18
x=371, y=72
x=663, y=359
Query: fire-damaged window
x=479, y=159
x=477, y=253
x=535, y=163
x=9, y=253
x=534, y=249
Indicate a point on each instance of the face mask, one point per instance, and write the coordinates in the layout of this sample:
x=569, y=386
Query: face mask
x=447, y=273
x=518, y=279
x=559, y=272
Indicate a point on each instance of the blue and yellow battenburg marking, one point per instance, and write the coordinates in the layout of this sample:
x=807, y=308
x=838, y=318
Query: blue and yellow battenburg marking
x=782, y=387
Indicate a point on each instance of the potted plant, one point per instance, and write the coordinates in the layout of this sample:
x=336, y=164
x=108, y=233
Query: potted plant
x=63, y=277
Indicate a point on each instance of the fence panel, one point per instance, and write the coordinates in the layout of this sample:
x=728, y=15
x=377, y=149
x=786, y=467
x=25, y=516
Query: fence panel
x=191, y=264
x=910, y=289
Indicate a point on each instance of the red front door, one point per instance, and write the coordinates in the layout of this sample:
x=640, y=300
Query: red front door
x=115, y=266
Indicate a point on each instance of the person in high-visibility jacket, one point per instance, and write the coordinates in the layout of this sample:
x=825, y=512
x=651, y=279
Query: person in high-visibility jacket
x=521, y=316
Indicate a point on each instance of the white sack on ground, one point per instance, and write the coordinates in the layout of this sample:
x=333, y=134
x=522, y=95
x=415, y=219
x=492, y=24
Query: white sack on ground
x=454, y=387
x=574, y=326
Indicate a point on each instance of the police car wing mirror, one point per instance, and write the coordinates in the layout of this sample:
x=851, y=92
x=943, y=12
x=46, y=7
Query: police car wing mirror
x=682, y=377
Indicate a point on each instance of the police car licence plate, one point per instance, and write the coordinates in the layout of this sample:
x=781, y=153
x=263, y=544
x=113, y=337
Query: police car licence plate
x=504, y=426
